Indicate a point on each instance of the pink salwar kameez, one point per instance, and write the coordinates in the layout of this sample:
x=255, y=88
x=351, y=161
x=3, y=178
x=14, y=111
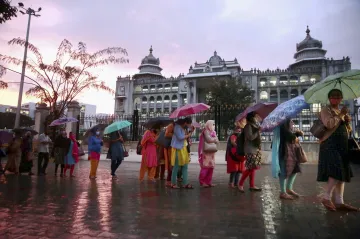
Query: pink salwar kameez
x=207, y=160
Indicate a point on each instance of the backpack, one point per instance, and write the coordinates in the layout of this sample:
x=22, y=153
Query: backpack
x=139, y=147
x=240, y=141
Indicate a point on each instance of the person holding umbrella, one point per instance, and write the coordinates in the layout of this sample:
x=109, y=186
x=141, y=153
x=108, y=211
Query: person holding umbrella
x=14, y=154
x=116, y=151
x=94, y=148
x=60, y=150
x=252, y=147
x=334, y=166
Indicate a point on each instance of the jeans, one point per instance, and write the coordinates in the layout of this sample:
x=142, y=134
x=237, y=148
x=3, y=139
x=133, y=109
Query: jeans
x=114, y=166
x=184, y=170
x=234, y=178
x=42, y=157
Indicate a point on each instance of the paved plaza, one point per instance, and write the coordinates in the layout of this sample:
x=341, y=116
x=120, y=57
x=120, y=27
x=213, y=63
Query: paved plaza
x=50, y=207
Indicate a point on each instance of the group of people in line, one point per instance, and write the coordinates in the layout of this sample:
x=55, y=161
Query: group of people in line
x=65, y=152
x=168, y=150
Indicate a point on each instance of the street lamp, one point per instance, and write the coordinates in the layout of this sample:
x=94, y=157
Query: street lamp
x=29, y=12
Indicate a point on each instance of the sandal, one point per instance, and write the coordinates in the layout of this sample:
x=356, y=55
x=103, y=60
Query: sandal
x=174, y=186
x=286, y=196
x=328, y=205
x=212, y=185
x=188, y=186
x=241, y=190
x=346, y=207
x=292, y=193
x=205, y=186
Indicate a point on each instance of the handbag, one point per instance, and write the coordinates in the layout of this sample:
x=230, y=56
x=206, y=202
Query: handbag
x=300, y=154
x=126, y=153
x=210, y=147
x=318, y=129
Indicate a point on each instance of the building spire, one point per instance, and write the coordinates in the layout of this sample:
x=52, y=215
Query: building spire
x=151, y=50
x=307, y=30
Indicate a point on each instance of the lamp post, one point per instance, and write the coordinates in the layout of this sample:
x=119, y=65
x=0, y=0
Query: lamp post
x=29, y=12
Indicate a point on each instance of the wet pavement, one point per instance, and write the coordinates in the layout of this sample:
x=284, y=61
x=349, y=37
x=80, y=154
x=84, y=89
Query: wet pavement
x=53, y=207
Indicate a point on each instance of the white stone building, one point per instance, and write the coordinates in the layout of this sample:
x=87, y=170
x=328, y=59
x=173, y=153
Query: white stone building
x=149, y=91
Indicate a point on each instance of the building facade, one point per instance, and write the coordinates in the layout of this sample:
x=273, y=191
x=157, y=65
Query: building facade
x=150, y=92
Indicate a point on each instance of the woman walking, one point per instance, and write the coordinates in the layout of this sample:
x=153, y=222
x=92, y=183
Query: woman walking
x=94, y=148
x=234, y=162
x=207, y=156
x=14, y=155
x=149, y=156
x=179, y=154
x=334, y=166
x=72, y=156
x=116, y=152
x=169, y=132
x=252, y=146
x=26, y=163
x=60, y=150
x=284, y=158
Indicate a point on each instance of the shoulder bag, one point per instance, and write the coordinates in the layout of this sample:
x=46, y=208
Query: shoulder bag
x=300, y=154
x=318, y=128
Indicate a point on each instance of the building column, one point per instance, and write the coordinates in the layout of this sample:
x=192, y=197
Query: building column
x=73, y=111
x=278, y=95
x=195, y=92
x=188, y=95
x=41, y=112
x=268, y=93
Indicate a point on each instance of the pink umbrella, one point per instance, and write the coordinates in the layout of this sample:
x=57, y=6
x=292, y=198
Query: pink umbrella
x=189, y=109
x=196, y=124
x=262, y=109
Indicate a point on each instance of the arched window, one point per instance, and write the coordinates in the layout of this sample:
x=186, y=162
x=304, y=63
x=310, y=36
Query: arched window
x=294, y=80
x=152, y=88
x=294, y=93
x=304, y=79
x=263, y=82
x=158, y=99
x=273, y=81
x=273, y=96
x=284, y=95
x=303, y=91
x=160, y=87
x=166, y=99
x=283, y=80
x=152, y=99
x=145, y=88
x=175, y=86
x=144, y=100
x=264, y=95
x=167, y=87
x=174, y=99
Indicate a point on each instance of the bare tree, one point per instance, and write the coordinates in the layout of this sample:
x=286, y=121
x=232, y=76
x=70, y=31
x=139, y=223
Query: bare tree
x=71, y=73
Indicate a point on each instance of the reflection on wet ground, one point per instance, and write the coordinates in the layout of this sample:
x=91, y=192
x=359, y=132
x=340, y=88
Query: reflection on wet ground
x=50, y=207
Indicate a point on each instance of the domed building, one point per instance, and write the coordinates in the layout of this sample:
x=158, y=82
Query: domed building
x=150, y=92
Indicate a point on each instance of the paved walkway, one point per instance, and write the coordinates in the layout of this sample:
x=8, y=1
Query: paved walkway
x=53, y=207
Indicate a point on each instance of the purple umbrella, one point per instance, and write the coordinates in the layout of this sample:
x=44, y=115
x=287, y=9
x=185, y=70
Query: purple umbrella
x=62, y=121
x=5, y=137
x=262, y=109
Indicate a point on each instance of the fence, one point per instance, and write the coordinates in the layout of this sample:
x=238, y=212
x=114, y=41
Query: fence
x=224, y=122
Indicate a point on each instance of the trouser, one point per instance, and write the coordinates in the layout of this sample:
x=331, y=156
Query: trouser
x=205, y=176
x=114, y=166
x=150, y=171
x=62, y=168
x=175, y=170
x=42, y=157
x=72, y=167
x=287, y=183
x=160, y=171
x=234, y=178
x=179, y=174
x=248, y=173
x=93, y=167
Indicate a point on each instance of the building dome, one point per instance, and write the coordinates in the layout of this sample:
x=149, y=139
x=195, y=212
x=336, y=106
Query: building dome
x=215, y=60
x=309, y=49
x=150, y=59
x=150, y=65
x=308, y=42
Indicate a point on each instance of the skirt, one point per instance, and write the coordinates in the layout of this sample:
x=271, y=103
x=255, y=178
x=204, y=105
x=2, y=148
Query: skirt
x=253, y=161
x=333, y=157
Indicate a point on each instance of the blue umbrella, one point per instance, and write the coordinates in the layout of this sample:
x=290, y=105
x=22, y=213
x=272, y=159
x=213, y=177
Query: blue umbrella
x=284, y=111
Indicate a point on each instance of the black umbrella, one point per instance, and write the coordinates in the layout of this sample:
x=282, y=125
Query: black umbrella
x=157, y=122
x=100, y=127
x=23, y=130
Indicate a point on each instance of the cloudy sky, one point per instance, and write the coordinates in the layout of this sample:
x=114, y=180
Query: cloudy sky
x=259, y=33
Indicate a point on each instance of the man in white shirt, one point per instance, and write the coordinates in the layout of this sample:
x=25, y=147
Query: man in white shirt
x=43, y=153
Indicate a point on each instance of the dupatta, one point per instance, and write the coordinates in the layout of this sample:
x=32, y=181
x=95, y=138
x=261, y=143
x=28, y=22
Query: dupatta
x=275, y=167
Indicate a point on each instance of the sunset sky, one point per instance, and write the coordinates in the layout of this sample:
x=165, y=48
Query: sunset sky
x=259, y=33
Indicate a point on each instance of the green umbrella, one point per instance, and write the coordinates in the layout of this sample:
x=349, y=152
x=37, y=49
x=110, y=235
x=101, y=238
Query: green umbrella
x=118, y=125
x=348, y=82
